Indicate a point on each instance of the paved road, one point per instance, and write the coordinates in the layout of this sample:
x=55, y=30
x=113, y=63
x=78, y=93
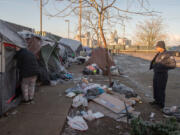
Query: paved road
x=137, y=71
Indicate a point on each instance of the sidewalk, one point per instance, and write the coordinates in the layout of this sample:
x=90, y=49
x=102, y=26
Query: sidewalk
x=46, y=117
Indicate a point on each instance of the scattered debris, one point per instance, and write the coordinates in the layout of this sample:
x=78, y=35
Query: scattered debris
x=92, y=69
x=123, y=89
x=115, y=102
x=111, y=103
x=93, y=93
x=77, y=123
x=115, y=71
x=14, y=112
x=88, y=115
x=54, y=82
x=172, y=111
x=71, y=94
x=80, y=100
x=98, y=115
x=152, y=115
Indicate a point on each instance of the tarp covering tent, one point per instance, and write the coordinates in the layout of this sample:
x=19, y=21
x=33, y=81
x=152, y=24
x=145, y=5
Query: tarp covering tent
x=47, y=53
x=62, y=50
x=8, y=73
x=73, y=46
x=50, y=55
x=99, y=57
x=34, y=44
x=87, y=50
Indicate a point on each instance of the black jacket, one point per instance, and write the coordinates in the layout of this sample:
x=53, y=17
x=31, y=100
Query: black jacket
x=163, y=62
x=27, y=63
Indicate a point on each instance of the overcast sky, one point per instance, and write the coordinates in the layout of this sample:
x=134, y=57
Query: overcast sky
x=26, y=12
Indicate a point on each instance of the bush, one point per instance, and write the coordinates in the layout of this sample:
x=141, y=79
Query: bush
x=168, y=127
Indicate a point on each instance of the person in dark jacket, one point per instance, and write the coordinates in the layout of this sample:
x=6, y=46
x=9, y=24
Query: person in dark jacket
x=161, y=63
x=28, y=71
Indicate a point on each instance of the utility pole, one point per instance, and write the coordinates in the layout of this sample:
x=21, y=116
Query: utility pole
x=41, y=5
x=68, y=28
x=80, y=19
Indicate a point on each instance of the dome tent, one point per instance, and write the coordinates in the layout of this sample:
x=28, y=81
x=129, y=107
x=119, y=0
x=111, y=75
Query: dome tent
x=9, y=38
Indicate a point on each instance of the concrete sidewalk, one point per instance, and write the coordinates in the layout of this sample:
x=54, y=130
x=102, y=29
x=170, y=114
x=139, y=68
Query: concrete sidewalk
x=46, y=117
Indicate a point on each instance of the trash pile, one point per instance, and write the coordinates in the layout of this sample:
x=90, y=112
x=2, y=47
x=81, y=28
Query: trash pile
x=98, y=63
x=94, y=101
x=172, y=111
x=60, y=78
x=92, y=69
x=122, y=89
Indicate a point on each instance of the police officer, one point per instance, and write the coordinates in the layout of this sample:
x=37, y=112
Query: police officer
x=161, y=63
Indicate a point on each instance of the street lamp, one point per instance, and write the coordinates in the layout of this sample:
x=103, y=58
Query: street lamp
x=68, y=27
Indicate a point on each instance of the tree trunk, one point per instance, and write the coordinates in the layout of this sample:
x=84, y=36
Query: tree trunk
x=105, y=46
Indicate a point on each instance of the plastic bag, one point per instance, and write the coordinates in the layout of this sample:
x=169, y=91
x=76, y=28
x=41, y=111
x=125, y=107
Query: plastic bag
x=123, y=89
x=77, y=123
x=79, y=100
x=71, y=94
x=92, y=86
x=98, y=115
x=115, y=71
x=89, y=115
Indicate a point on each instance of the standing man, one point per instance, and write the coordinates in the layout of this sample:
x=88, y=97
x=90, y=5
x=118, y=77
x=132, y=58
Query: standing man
x=161, y=63
x=28, y=70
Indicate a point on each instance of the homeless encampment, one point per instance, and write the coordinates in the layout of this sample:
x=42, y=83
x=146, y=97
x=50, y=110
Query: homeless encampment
x=51, y=58
x=9, y=78
x=47, y=52
x=87, y=50
x=73, y=46
x=34, y=44
x=99, y=57
x=63, y=53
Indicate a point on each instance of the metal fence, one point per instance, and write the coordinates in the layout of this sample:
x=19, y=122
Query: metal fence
x=120, y=48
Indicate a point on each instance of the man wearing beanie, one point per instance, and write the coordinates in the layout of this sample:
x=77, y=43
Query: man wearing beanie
x=161, y=63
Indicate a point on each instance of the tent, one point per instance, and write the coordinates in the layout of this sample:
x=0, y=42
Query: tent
x=9, y=38
x=34, y=44
x=87, y=50
x=50, y=56
x=63, y=53
x=73, y=46
x=99, y=57
x=47, y=53
x=46, y=50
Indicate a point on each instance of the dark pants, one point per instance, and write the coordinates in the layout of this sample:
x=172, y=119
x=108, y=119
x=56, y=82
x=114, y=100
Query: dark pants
x=159, y=86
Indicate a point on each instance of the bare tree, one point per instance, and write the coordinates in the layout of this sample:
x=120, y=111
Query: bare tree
x=150, y=31
x=90, y=24
x=104, y=10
